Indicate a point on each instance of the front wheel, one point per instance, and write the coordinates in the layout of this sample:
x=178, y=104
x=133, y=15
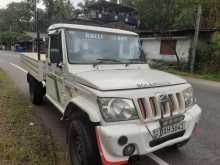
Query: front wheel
x=82, y=143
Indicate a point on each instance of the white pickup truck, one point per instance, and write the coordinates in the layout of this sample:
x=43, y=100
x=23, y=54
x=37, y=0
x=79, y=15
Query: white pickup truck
x=116, y=107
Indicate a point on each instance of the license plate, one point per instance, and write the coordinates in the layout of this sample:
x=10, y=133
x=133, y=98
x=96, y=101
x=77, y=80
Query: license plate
x=169, y=126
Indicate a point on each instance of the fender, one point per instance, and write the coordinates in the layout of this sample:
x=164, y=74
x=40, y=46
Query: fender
x=88, y=106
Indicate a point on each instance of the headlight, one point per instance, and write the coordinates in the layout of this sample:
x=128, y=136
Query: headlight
x=188, y=97
x=116, y=109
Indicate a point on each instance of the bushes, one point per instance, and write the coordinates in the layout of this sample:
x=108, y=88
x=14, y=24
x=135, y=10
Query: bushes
x=10, y=38
x=208, y=56
x=7, y=38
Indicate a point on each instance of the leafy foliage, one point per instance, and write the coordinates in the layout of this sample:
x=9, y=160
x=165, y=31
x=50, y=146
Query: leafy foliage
x=16, y=17
x=158, y=15
x=211, y=13
x=19, y=16
x=185, y=15
x=8, y=38
x=163, y=15
x=59, y=10
x=208, y=56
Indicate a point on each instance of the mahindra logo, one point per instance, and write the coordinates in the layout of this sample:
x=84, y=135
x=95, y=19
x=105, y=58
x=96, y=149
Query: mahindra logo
x=154, y=84
x=163, y=98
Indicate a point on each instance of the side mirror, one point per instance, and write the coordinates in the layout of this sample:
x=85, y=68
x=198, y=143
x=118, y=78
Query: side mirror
x=59, y=65
x=55, y=56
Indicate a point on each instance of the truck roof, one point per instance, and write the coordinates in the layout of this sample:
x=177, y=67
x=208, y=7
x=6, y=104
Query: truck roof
x=90, y=28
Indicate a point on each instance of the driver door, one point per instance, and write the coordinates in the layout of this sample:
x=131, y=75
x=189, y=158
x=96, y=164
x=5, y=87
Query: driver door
x=55, y=69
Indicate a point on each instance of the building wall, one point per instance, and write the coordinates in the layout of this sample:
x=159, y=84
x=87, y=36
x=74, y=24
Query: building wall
x=183, y=49
x=152, y=46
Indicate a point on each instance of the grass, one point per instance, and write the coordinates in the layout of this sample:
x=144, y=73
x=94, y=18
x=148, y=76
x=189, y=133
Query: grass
x=23, y=139
x=205, y=76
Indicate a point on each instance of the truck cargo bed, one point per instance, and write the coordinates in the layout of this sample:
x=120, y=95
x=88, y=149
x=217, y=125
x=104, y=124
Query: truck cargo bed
x=35, y=67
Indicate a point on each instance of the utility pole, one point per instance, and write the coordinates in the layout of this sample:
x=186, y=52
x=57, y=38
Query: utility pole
x=196, y=37
x=37, y=28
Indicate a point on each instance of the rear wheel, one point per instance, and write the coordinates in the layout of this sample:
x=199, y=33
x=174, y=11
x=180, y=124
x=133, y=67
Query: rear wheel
x=82, y=143
x=36, y=92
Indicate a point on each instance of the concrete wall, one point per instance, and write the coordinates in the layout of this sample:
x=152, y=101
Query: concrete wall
x=151, y=48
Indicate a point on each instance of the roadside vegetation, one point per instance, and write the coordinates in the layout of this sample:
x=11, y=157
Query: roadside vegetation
x=23, y=140
x=207, y=64
x=205, y=76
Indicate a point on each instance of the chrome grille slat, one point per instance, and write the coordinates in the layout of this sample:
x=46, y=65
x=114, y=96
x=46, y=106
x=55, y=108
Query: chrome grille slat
x=153, y=105
x=148, y=107
x=172, y=105
x=167, y=108
x=180, y=101
x=148, y=113
x=155, y=109
x=142, y=106
x=176, y=103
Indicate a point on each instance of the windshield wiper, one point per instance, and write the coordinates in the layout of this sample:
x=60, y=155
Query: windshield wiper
x=102, y=60
x=132, y=61
x=135, y=60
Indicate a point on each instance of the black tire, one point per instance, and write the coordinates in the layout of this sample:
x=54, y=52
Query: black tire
x=36, y=92
x=83, y=148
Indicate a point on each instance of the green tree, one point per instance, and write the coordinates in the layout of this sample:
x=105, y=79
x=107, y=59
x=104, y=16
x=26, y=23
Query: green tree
x=211, y=13
x=8, y=38
x=16, y=17
x=185, y=14
x=59, y=10
x=177, y=14
x=157, y=14
x=43, y=20
x=83, y=5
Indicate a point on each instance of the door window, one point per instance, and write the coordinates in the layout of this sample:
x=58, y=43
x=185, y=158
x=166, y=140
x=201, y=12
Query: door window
x=56, y=49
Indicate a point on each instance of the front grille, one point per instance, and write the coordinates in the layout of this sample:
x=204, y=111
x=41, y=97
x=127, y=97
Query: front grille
x=161, y=106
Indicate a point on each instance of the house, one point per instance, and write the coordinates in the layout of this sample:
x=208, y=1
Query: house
x=29, y=45
x=167, y=48
x=171, y=45
x=108, y=14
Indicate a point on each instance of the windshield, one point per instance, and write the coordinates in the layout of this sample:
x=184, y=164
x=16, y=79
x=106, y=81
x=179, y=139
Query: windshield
x=96, y=47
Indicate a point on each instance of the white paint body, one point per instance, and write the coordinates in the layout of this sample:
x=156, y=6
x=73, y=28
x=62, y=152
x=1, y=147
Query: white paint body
x=83, y=84
x=152, y=47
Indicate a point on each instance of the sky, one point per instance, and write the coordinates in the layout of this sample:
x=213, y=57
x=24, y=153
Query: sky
x=4, y=3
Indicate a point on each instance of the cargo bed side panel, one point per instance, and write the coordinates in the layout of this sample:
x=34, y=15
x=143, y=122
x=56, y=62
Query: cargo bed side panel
x=34, y=67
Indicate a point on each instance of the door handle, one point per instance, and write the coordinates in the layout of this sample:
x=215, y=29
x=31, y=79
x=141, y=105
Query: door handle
x=60, y=65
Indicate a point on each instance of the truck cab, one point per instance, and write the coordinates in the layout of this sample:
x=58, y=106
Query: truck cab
x=115, y=105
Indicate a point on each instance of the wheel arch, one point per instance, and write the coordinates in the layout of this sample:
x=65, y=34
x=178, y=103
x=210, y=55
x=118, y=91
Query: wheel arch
x=74, y=111
x=30, y=78
x=84, y=108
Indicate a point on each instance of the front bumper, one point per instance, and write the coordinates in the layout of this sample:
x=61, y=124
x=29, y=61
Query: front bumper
x=139, y=135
